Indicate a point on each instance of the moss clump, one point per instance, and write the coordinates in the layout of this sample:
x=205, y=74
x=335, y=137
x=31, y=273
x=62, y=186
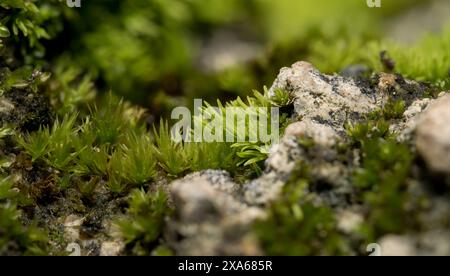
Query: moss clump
x=312, y=234
x=15, y=238
x=145, y=220
x=179, y=157
x=393, y=109
x=381, y=182
x=25, y=20
x=297, y=226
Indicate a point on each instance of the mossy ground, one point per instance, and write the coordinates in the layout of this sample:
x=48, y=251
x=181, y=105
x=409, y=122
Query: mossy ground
x=69, y=146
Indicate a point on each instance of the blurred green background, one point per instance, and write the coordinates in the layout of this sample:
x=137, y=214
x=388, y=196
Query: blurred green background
x=164, y=53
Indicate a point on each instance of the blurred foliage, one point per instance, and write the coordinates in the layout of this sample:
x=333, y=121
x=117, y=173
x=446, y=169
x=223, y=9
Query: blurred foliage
x=25, y=25
x=428, y=60
x=154, y=43
x=15, y=238
x=158, y=44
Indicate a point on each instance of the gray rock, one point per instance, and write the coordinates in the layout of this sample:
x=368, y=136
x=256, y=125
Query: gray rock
x=323, y=135
x=407, y=126
x=210, y=216
x=328, y=100
x=323, y=104
x=286, y=155
x=5, y=105
x=395, y=245
x=433, y=136
x=72, y=225
x=349, y=221
x=111, y=248
x=432, y=243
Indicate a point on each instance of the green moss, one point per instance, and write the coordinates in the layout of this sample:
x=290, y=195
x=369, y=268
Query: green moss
x=297, y=226
x=391, y=110
x=53, y=145
x=179, y=157
x=137, y=159
x=16, y=238
x=111, y=143
x=24, y=19
x=69, y=89
x=171, y=156
x=252, y=153
x=381, y=180
x=215, y=155
x=6, y=190
x=145, y=220
x=162, y=251
x=25, y=24
x=109, y=122
x=361, y=133
x=312, y=234
x=385, y=163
